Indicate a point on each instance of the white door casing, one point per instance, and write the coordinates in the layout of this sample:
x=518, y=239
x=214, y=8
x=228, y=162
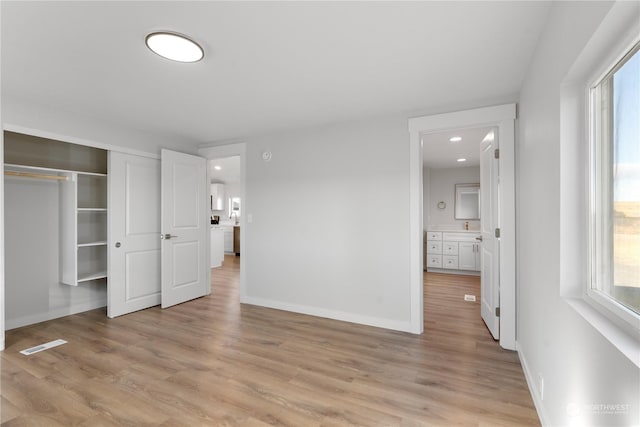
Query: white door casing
x=229, y=150
x=503, y=117
x=185, y=227
x=134, y=227
x=489, y=247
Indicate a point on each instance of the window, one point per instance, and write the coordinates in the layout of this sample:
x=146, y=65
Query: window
x=615, y=188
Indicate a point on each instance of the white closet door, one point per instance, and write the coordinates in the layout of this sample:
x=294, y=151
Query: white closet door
x=134, y=233
x=185, y=228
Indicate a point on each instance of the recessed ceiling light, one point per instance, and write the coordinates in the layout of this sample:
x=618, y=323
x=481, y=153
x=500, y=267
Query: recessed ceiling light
x=174, y=46
x=461, y=160
x=455, y=139
x=216, y=167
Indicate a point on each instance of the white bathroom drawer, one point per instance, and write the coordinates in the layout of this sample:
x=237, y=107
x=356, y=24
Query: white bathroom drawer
x=450, y=248
x=459, y=237
x=434, y=235
x=450, y=262
x=434, y=261
x=434, y=247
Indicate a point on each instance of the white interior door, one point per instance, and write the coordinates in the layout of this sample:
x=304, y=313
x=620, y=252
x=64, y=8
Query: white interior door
x=490, y=250
x=134, y=227
x=185, y=226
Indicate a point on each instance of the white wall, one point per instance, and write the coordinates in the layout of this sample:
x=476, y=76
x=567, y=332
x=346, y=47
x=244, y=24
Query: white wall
x=330, y=232
x=579, y=366
x=33, y=291
x=77, y=128
x=441, y=187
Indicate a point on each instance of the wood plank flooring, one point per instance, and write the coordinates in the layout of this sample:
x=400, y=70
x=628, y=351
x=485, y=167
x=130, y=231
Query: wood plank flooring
x=213, y=362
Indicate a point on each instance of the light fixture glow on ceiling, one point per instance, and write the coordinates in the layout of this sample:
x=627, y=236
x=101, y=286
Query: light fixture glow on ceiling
x=175, y=47
x=216, y=167
x=455, y=139
x=461, y=160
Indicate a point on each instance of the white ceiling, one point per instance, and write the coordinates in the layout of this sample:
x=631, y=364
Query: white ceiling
x=268, y=66
x=229, y=172
x=439, y=152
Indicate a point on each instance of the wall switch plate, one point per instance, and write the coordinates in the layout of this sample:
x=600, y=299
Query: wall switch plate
x=471, y=298
x=249, y=218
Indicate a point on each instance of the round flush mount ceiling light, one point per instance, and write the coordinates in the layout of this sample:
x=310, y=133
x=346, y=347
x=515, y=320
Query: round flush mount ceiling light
x=174, y=46
x=461, y=160
x=455, y=139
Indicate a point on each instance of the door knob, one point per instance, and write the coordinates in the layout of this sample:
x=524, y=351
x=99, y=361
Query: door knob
x=118, y=244
x=479, y=238
x=167, y=236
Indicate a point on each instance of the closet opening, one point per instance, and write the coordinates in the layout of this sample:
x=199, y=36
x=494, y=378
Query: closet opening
x=55, y=229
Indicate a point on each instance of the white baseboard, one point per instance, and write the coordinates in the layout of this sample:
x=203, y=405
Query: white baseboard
x=450, y=271
x=331, y=314
x=54, y=314
x=532, y=383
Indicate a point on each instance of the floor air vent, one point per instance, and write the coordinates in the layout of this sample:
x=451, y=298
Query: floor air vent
x=42, y=347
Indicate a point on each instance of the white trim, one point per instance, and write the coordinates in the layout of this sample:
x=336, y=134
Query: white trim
x=507, y=224
x=331, y=314
x=450, y=271
x=416, y=231
x=55, y=314
x=2, y=311
x=533, y=387
x=78, y=141
x=613, y=332
x=502, y=116
x=229, y=150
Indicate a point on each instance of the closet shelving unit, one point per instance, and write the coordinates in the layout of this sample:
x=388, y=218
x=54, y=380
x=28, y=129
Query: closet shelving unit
x=83, y=221
x=83, y=205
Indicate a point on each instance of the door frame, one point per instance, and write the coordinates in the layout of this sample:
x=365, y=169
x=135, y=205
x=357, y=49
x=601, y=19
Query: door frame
x=230, y=150
x=503, y=117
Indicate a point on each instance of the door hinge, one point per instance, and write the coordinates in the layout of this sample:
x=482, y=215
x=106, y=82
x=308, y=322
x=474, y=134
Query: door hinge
x=497, y=232
x=497, y=311
x=496, y=153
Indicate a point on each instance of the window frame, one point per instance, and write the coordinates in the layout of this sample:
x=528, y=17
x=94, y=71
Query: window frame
x=599, y=158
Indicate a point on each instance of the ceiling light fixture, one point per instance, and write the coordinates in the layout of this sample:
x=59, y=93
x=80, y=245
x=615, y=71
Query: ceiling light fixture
x=216, y=167
x=455, y=139
x=461, y=160
x=174, y=46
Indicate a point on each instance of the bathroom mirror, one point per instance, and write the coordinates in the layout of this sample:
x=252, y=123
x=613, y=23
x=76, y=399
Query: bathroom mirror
x=467, y=198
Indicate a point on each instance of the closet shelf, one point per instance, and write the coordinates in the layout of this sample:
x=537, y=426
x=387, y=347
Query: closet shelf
x=24, y=168
x=92, y=209
x=92, y=276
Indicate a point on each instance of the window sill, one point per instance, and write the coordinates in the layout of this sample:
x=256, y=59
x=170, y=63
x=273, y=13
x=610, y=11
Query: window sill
x=623, y=341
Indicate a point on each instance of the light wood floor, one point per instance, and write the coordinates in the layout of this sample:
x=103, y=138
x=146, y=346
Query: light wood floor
x=214, y=362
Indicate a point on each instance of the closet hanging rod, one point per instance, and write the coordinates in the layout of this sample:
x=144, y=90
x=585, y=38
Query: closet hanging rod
x=36, y=175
